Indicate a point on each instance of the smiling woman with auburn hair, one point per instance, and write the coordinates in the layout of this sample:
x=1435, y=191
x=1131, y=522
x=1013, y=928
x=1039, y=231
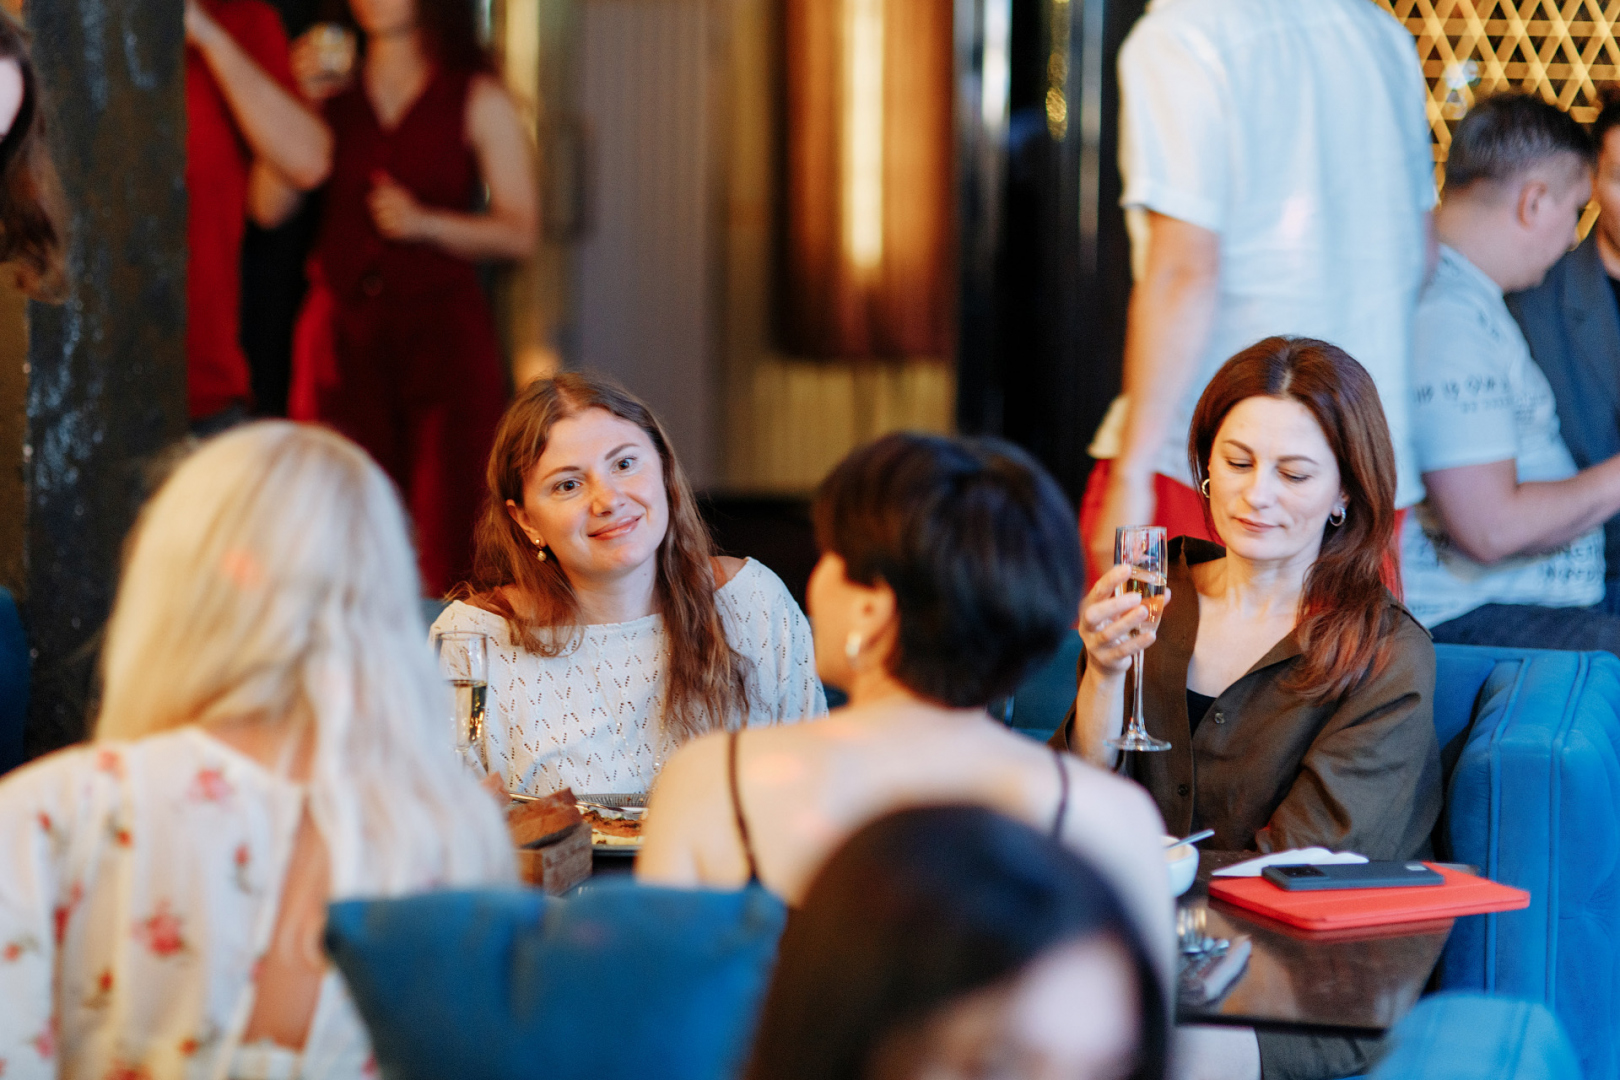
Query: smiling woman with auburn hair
x=616, y=633
x=1296, y=692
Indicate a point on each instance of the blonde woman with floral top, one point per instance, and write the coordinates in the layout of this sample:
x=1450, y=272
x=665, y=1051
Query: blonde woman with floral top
x=270, y=739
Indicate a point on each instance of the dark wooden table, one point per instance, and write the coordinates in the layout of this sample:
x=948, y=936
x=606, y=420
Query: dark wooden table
x=1357, y=982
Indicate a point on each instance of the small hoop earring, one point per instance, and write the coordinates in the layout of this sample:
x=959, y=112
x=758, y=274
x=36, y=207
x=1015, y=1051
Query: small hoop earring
x=1336, y=518
x=1204, y=487
x=852, y=648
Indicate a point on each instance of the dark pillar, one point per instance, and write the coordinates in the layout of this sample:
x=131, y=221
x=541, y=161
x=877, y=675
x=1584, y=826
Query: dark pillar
x=1045, y=259
x=107, y=369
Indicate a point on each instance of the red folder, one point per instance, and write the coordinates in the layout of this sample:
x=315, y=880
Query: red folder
x=1340, y=909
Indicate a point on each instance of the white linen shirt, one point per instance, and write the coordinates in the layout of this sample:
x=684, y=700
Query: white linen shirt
x=1296, y=131
x=592, y=718
x=1478, y=397
x=139, y=884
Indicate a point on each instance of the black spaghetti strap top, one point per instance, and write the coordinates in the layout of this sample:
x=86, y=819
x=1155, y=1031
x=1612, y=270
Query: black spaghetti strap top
x=1063, y=794
x=748, y=843
x=737, y=810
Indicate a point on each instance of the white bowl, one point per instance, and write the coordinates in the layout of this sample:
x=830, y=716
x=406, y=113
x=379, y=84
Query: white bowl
x=1182, y=862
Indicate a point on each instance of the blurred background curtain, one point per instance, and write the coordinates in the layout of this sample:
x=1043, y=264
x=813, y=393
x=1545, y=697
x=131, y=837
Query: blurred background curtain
x=866, y=249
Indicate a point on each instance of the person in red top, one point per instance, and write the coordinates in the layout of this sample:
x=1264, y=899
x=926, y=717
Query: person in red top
x=396, y=345
x=252, y=147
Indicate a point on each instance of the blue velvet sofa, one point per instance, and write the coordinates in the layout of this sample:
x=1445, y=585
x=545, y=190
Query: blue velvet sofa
x=1530, y=741
x=1530, y=744
x=1460, y=1036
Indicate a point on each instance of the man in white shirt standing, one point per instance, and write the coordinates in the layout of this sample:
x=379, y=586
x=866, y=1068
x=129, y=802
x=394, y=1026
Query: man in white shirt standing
x=1507, y=549
x=1278, y=180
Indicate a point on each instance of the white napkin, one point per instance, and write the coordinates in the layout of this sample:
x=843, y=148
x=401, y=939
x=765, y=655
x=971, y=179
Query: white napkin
x=1313, y=856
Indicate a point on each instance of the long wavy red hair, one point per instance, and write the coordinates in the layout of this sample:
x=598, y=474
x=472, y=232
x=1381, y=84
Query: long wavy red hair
x=1345, y=619
x=706, y=676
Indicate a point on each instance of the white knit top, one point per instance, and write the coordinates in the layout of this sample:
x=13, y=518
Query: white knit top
x=592, y=718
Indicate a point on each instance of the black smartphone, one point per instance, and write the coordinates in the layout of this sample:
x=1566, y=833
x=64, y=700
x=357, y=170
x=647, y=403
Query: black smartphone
x=1367, y=875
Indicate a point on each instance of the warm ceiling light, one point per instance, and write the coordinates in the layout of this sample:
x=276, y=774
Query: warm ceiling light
x=863, y=133
x=866, y=267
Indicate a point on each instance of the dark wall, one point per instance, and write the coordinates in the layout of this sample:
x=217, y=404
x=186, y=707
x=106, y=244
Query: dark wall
x=107, y=369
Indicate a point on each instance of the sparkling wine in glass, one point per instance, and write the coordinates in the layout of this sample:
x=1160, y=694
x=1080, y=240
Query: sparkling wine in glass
x=464, y=662
x=1142, y=548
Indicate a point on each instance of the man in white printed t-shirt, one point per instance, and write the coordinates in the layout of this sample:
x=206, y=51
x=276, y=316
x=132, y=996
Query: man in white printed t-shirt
x=1278, y=180
x=1507, y=549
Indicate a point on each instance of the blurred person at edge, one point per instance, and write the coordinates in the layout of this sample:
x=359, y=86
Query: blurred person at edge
x=252, y=148
x=269, y=739
x=33, y=224
x=1572, y=324
x=396, y=345
x=949, y=568
x=952, y=943
x=616, y=633
x=1277, y=180
x=1507, y=548
x=1296, y=692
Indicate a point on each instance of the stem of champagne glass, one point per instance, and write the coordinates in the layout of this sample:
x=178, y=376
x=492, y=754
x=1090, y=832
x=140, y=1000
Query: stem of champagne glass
x=1136, y=695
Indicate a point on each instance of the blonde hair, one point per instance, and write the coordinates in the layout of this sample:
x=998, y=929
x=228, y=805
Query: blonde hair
x=271, y=578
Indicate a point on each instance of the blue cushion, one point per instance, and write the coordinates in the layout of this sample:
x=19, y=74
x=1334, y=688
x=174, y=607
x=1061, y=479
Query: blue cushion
x=1534, y=801
x=1476, y=1037
x=1042, y=700
x=618, y=980
x=13, y=684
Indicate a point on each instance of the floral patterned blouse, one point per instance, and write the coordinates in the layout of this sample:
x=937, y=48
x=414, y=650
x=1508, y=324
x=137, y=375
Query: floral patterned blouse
x=139, y=885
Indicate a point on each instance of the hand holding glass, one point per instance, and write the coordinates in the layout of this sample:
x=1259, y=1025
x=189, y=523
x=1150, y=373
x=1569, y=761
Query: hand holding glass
x=464, y=662
x=1142, y=548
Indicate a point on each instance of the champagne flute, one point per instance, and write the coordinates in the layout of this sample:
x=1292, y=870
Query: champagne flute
x=1142, y=548
x=464, y=662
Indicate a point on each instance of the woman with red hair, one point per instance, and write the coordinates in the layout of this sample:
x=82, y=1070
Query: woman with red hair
x=1296, y=692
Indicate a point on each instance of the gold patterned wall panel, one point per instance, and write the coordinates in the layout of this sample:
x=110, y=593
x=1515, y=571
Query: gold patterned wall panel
x=1565, y=51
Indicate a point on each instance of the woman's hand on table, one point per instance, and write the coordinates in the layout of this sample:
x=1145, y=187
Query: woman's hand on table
x=1114, y=628
x=495, y=784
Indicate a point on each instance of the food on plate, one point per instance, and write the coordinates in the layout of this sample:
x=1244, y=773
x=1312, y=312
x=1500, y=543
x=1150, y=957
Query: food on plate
x=613, y=831
x=532, y=821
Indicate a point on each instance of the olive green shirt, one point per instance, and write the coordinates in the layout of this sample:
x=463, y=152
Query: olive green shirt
x=1270, y=770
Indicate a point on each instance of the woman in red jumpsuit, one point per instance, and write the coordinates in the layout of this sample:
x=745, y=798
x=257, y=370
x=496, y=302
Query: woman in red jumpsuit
x=396, y=344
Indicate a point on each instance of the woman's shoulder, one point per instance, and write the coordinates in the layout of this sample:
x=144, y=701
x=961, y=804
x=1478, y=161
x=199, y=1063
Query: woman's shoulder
x=49, y=773
x=751, y=584
x=466, y=615
x=1410, y=643
x=1407, y=635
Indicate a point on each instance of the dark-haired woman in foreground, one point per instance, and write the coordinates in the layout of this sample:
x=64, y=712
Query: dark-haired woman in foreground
x=1296, y=692
x=948, y=568
x=952, y=943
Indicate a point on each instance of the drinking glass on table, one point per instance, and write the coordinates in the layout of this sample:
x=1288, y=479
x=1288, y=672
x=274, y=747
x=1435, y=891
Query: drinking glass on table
x=464, y=662
x=1142, y=548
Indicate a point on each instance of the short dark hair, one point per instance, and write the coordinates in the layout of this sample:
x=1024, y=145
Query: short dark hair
x=918, y=910
x=979, y=546
x=1608, y=116
x=1507, y=133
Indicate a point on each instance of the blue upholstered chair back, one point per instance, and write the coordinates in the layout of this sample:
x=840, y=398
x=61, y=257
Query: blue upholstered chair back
x=615, y=980
x=13, y=683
